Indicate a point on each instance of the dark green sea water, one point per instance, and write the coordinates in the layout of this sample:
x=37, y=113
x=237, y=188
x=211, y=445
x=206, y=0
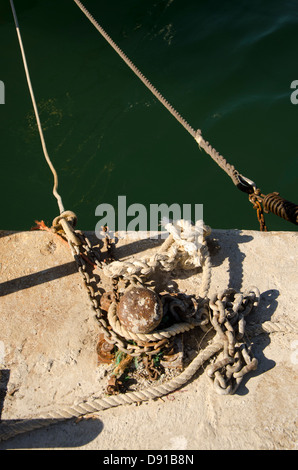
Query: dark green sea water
x=226, y=66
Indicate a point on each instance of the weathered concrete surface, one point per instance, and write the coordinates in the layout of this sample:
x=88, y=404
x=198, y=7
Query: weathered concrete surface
x=48, y=351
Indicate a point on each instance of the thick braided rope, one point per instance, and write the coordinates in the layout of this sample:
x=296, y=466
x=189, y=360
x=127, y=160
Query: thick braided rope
x=197, y=135
x=218, y=158
x=155, y=335
x=8, y=431
x=271, y=327
x=174, y=329
x=143, y=267
x=94, y=405
x=136, y=71
x=185, y=246
x=191, y=250
x=206, y=275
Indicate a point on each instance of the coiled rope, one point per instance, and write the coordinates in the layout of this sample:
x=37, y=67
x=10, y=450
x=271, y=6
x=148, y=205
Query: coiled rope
x=93, y=405
x=227, y=311
x=276, y=204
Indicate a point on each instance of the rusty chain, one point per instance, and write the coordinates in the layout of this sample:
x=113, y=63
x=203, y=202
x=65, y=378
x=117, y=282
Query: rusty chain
x=227, y=315
x=256, y=199
x=84, y=254
x=226, y=311
x=273, y=203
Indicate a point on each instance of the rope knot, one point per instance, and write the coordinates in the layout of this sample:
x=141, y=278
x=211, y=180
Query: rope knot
x=69, y=216
x=66, y=222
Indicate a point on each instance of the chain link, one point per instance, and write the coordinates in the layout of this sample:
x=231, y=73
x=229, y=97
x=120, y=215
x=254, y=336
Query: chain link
x=84, y=254
x=227, y=315
x=227, y=311
x=256, y=199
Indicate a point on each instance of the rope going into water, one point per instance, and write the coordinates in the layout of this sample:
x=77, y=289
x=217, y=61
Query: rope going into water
x=55, y=187
x=240, y=181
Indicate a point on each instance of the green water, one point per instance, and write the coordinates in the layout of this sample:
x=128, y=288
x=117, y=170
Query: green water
x=226, y=66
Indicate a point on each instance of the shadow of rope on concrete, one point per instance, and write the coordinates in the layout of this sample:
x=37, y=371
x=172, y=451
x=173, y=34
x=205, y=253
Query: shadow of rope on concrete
x=58, y=434
x=34, y=279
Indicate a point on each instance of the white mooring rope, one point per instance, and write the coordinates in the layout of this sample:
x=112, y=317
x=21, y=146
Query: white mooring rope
x=55, y=192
